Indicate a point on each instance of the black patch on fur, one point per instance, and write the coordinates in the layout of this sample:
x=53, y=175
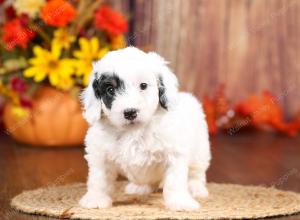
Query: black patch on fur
x=107, y=87
x=162, y=93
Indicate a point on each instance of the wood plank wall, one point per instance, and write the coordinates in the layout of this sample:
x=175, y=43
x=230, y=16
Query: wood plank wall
x=250, y=45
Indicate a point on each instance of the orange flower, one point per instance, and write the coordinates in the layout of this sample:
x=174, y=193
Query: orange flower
x=16, y=33
x=265, y=110
x=209, y=109
x=58, y=13
x=110, y=21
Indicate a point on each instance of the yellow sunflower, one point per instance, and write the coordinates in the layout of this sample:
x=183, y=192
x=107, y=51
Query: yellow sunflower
x=63, y=39
x=48, y=64
x=19, y=112
x=12, y=95
x=30, y=7
x=89, y=51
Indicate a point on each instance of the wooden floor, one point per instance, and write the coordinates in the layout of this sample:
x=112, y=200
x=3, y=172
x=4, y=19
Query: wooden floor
x=246, y=158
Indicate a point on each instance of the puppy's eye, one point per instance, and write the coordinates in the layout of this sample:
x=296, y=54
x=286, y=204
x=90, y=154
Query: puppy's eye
x=143, y=86
x=110, y=90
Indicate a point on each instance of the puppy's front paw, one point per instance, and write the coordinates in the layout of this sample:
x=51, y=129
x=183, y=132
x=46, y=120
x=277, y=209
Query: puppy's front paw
x=198, y=189
x=132, y=188
x=181, y=202
x=94, y=200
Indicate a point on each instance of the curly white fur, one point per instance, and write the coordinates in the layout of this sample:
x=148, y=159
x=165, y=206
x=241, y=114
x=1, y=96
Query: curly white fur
x=163, y=147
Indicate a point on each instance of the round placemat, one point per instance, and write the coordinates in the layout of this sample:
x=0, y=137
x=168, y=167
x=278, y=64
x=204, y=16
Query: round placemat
x=226, y=201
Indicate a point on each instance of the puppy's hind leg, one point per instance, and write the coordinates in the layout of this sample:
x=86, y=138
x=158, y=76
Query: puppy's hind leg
x=132, y=188
x=197, y=181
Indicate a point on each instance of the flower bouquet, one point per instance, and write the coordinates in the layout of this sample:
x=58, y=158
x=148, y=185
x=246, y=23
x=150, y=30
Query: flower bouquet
x=47, y=50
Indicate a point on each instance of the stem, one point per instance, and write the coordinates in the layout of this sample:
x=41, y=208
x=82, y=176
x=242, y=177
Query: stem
x=85, y=13
x=41, y=32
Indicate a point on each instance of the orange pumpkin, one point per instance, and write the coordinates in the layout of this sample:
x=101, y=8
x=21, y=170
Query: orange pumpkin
x=55, y=120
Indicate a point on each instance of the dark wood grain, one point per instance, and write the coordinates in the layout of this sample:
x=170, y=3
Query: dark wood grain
x=250, y=45
x=246, y=158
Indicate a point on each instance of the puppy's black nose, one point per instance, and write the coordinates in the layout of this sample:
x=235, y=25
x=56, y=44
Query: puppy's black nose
x=130, y=113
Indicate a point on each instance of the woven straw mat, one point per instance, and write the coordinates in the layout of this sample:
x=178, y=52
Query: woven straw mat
x=226, y=201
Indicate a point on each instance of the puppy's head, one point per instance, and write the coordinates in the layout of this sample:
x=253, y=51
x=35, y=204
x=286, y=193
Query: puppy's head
x=127, y=86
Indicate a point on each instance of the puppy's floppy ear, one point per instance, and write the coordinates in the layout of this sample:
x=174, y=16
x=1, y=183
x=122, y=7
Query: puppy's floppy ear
x=167, y=81
x=91, y=102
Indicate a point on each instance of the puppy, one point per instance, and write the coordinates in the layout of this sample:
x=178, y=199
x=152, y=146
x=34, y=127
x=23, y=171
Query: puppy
x=144, y=129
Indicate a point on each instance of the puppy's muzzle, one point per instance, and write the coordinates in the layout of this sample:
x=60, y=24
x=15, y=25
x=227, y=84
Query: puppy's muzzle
x=130, y=114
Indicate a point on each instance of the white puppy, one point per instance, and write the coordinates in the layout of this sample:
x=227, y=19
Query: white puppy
x=143, y=128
